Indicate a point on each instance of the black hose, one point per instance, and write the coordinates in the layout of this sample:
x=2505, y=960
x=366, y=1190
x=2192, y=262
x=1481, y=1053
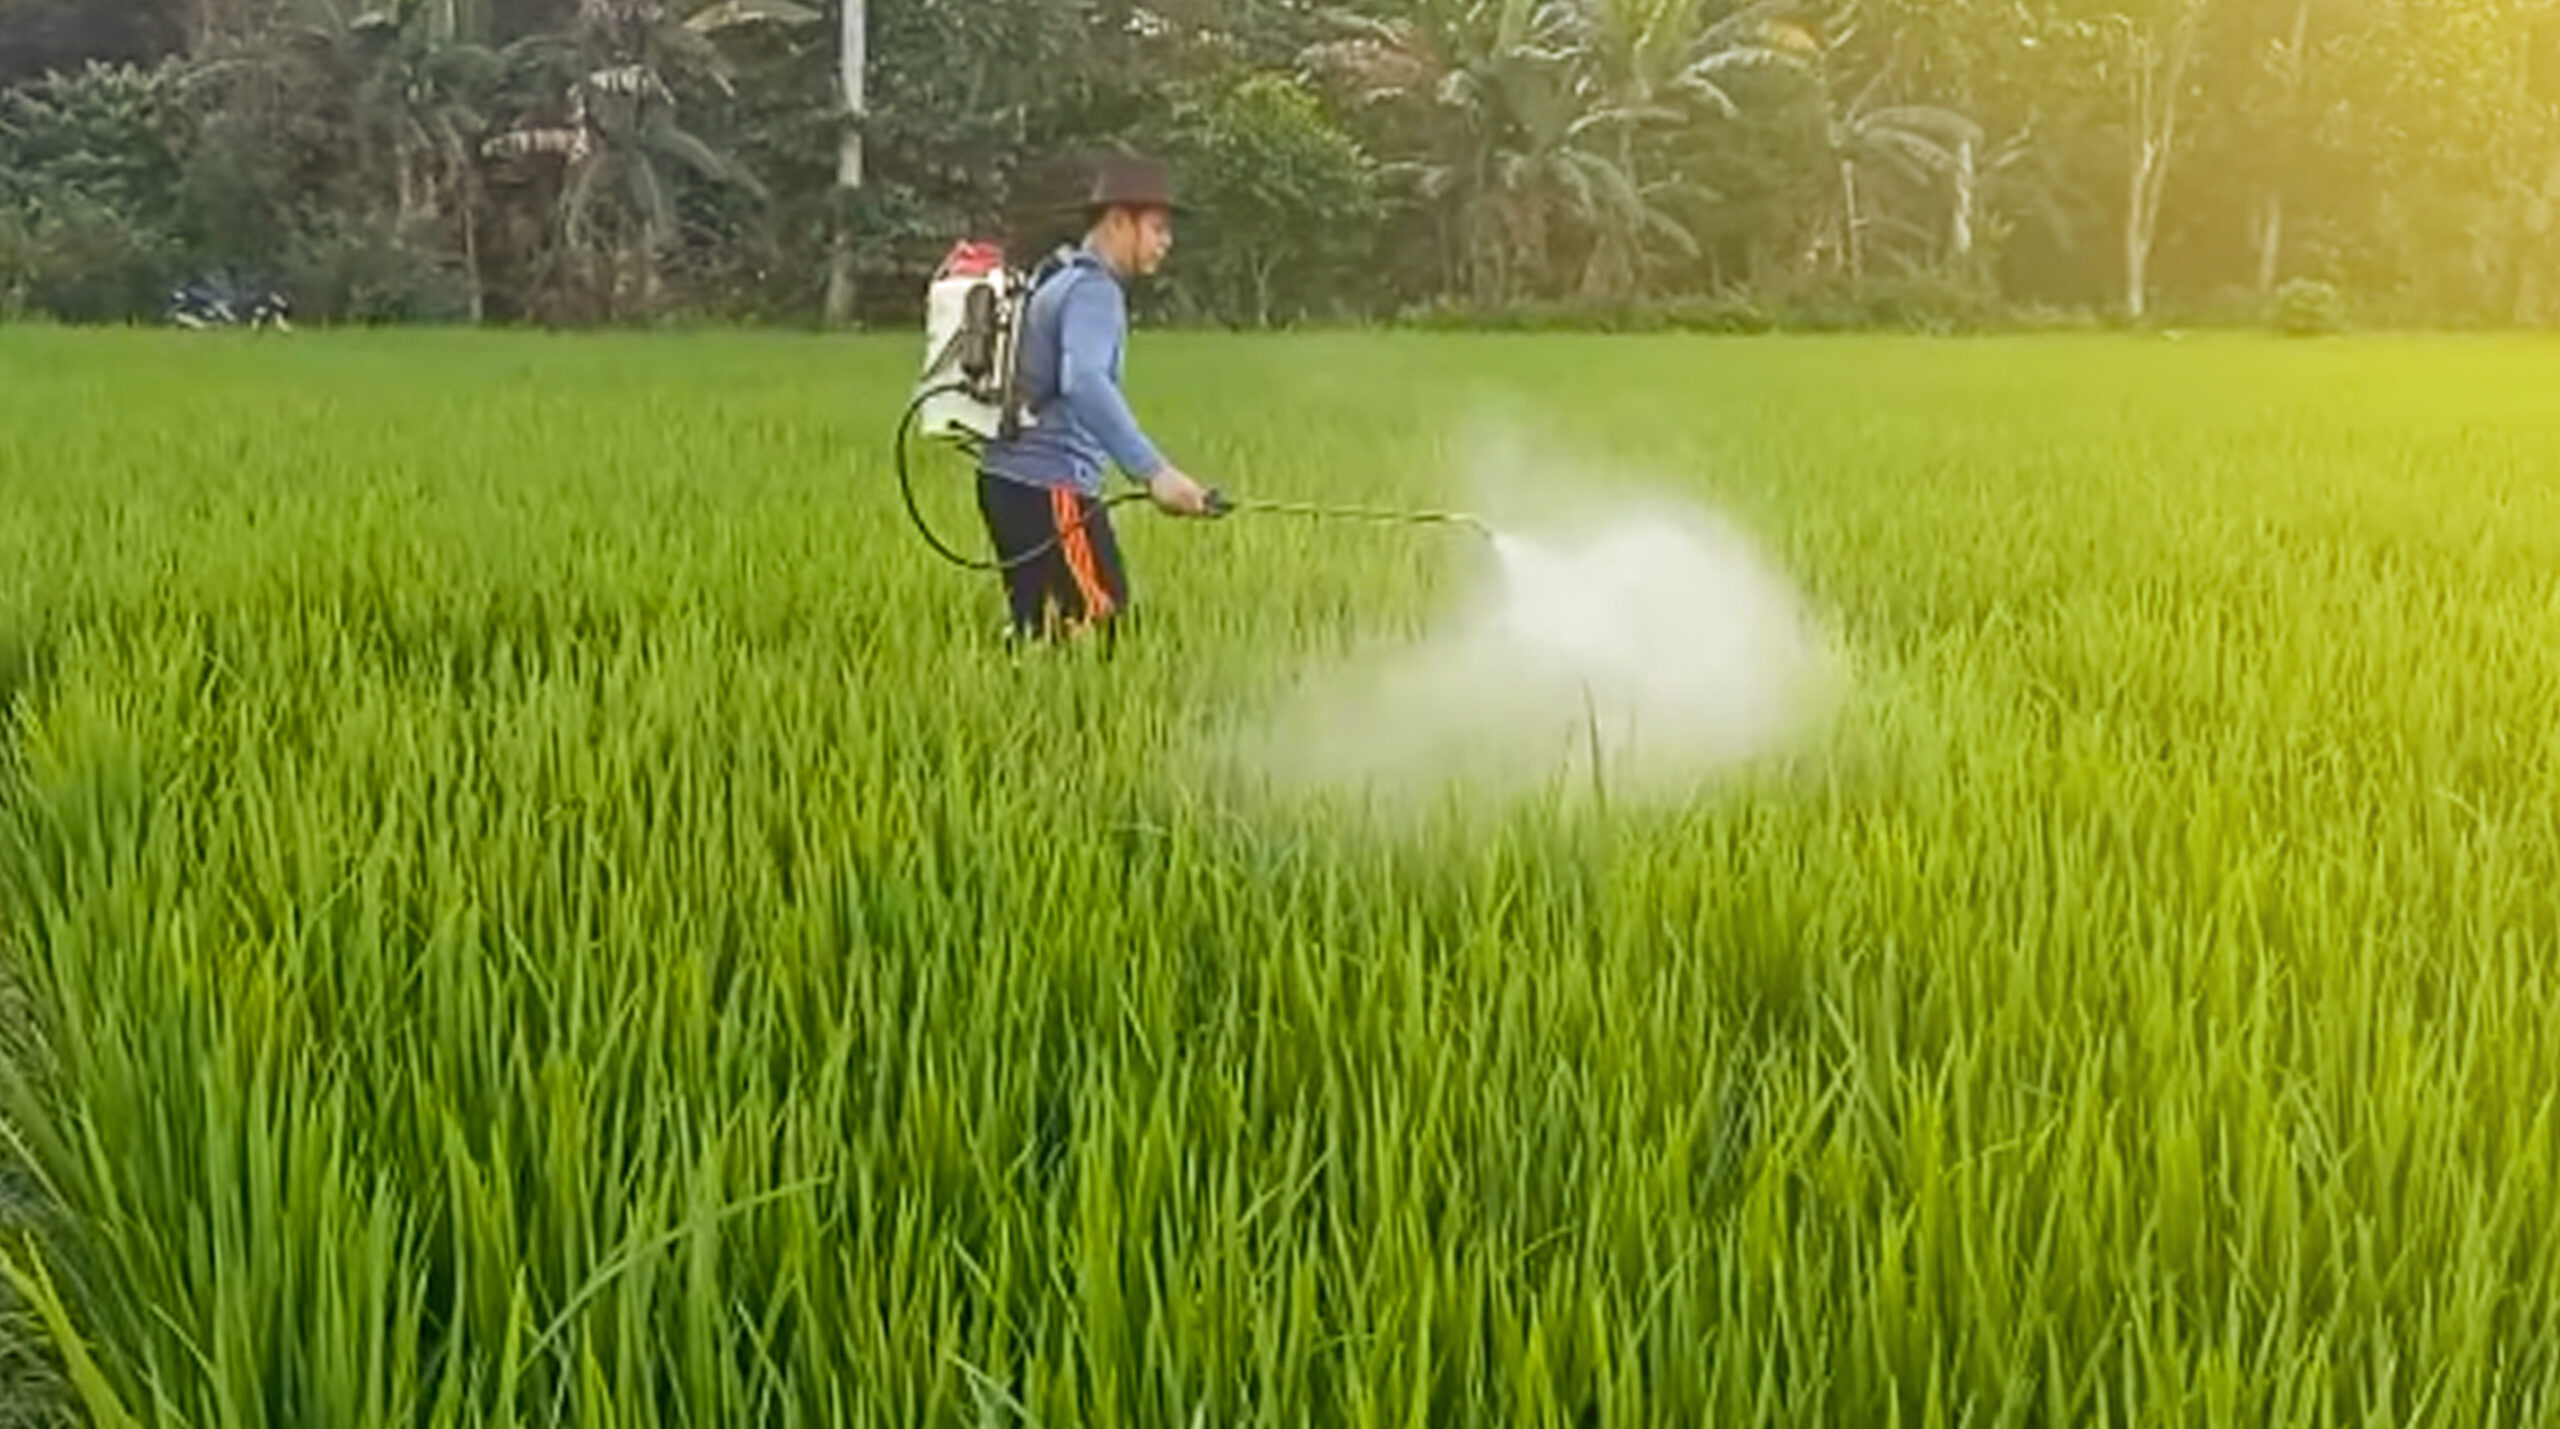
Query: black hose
x=906, y=490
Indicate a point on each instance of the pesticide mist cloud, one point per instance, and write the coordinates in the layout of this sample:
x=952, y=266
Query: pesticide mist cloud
x=1653, y=630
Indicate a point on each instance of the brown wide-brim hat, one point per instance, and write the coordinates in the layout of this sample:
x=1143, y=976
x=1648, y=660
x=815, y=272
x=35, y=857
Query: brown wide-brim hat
x=1120, y=181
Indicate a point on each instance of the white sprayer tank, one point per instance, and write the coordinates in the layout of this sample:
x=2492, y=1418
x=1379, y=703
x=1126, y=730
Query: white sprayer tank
x=972, y=277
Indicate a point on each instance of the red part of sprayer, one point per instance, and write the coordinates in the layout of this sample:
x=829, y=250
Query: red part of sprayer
x=970, y=259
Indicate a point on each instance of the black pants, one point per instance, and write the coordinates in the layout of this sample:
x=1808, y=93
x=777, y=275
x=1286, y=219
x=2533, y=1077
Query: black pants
x=1076, y=580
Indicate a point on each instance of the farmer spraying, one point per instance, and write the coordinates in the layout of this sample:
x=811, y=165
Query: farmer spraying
x=1040, y=488
x=1022, y=372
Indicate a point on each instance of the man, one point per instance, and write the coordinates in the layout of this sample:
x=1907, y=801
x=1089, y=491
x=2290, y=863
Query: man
x=1042, y=490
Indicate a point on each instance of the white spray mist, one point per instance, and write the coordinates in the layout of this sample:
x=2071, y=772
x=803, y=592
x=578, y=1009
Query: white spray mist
x=1649, y=634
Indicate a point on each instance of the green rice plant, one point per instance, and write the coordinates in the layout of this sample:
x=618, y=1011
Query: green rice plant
x=531, y=899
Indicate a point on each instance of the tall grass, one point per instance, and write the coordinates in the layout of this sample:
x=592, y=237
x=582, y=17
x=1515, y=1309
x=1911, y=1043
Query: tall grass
x=533, y=901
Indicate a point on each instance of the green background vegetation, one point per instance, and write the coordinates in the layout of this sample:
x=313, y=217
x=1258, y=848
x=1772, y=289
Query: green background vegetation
x=1870, y=163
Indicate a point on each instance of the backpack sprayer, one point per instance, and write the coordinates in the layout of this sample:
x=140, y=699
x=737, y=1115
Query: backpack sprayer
x=966, y=395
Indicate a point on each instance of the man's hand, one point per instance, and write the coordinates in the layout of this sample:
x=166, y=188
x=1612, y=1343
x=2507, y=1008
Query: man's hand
x=1178, y=494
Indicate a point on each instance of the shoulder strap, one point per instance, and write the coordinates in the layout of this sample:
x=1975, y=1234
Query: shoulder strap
x=1060, y=259
x=1058, y=263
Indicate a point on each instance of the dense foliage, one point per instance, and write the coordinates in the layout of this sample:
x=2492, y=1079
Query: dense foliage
x=615, y=159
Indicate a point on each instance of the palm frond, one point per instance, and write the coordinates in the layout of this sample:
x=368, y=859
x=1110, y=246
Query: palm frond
x=1746, y=57
x=1711, y=94
x=629, y=80
x=1924, y=156
x=697, y=52
x=700, y=157
x=1577, y=182
x=517, y=143
x=1943, y=125
x=1662, y=191
x=463, y=66
x=1620, y=117
x=1605, y=180
x=731, y=14
x=1671, y=228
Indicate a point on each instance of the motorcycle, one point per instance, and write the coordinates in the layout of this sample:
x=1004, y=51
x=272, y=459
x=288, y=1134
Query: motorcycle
x=213, y=304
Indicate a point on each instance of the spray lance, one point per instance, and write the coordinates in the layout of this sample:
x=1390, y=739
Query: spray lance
x=966, y=396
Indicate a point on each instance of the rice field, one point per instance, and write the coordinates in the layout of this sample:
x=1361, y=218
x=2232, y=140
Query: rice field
x=533, y=899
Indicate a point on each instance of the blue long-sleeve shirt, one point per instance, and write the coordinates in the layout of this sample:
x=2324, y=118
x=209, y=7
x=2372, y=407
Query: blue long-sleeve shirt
x=1073, y=339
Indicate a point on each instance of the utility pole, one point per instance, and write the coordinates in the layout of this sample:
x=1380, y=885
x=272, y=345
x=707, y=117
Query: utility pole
x=853, y=57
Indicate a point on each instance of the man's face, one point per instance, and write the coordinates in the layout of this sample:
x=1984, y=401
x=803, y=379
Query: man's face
x=1138, y=239
x=1155, y=239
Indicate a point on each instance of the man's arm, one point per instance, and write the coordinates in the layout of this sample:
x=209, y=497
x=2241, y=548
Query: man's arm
x=1090, y=327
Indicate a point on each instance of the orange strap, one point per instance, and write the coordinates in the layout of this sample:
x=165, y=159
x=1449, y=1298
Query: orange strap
x=1078, y=549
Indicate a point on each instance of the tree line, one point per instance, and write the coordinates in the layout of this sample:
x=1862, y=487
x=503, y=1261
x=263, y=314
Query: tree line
x=1478, y=161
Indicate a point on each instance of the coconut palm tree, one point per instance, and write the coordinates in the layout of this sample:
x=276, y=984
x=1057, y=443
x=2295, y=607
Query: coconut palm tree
x=618, y=139
x=1654, y=64
x=1927, y=146
x=1523, y=118
x=404, y=84
x=1471, y=81
x=429, y=79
